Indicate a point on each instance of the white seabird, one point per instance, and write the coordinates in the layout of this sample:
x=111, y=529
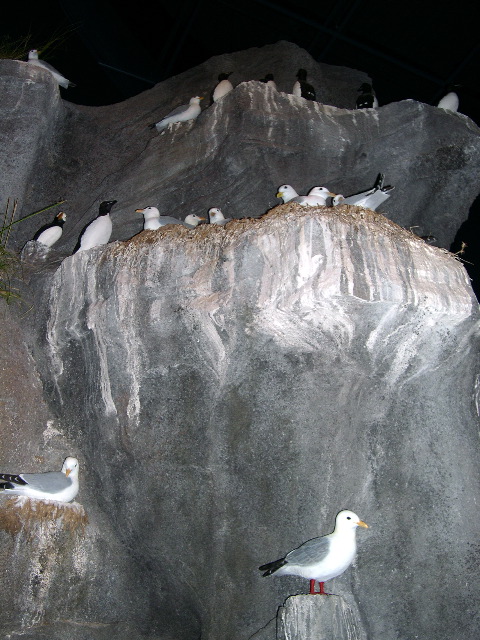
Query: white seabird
x=287, y=193
x=301, y=88
x=98, y=232
x=216, y=216
x=52, y=232
x=372, y=198
x=185, y=112
x=317, y=197
x=367, y=99
x=192, y=220
x=153, y=220
x=450, y=102
x=61, y=80
x=54, y=485
x=321, y=559
x=223, y=87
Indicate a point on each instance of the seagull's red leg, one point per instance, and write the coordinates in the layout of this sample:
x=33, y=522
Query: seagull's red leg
x=312, y=587
x=322, y=591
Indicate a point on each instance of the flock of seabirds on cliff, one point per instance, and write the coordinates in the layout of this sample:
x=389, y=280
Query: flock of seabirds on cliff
x=99, y=231
x=319, y=559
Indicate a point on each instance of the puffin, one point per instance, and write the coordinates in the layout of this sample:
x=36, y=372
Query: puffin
x=321, y=559
x=301, y=88
x=223, y=87
x=34, y=60
x=367, y=99
x=98, y=232
x=51, y=232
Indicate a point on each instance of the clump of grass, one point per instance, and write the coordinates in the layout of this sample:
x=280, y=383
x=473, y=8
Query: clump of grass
x=8, y=260
x=17, y=48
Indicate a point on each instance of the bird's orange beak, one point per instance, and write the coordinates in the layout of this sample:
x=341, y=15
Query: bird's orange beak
x=363, y=524
x=67, y=472
x=138, y=210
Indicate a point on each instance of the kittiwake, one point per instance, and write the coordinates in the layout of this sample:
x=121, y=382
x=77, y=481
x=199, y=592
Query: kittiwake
x=53, y=485
x=61, y=80
x=185, y=112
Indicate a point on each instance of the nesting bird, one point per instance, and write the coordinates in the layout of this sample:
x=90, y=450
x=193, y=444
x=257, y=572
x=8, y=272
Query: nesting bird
x=286, y=193
x=223, y=87
x=54, y=485
x=367, y=99
x=321, y=559
x=51, y=233
x=153, y=220
x=317, y=197
x=216, y=216
x=185, y=112
x=34, y=60
x=98, y=232
x=302, y=88
x=373, y=197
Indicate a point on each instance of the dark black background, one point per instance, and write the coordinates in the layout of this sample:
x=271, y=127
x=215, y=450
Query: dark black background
x=411, y=49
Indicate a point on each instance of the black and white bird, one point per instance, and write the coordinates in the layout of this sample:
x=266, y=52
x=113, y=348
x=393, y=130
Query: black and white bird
x=269, y=81
x=302, y=88
x=215, y=216
x=51, y=232
x=286, y=192
x=321, y=559
x=367, y=99
x=450, y=101
x=98, y=232
x=185, y=112
x=223, y=87
x=34, y=60
x=317, y=197
x=54, y=485
x=372, y=198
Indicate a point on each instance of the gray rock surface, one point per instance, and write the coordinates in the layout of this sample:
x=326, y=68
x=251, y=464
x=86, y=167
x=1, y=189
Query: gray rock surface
x=229, y=389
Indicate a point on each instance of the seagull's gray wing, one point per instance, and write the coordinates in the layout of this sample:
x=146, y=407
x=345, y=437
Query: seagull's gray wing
x=164, y=220
x=309, y=552
x=50, y=482
x=370, y=199
x=177, y=111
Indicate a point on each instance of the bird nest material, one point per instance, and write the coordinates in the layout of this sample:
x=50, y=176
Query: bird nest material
x=20, y=513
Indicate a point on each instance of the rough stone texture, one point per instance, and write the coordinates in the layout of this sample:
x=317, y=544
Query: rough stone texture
x=228, y=390
x=232, y=388
x=307, y=617
x=237, y=152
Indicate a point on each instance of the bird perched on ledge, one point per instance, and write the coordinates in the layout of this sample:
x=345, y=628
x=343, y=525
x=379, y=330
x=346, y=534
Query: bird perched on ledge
x=98, y=232
x=52, y=232
x=53, y=485
x=301, y=88
x=367, y=99
x=185, y=112
x=223, y=87
x=215, y=216
x=286, y=192
x=321, y=559
x=61, y=80
x=317, y=197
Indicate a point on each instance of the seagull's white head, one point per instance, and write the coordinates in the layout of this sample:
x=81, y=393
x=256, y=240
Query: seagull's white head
x=70, y=467
x=338, y=199
x=286, y=192
x=348, y=520
x=321, y=192
x=33, y=54
x=215, y=214
x=193, y=219
x=149, y=212
x=196, y=99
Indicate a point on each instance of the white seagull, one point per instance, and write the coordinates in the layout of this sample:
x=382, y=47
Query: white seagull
x=185, y=112
x=216, y=216
x=153, y=220
x=372, y=198
x=287, y=193
x=317, y=197
x=449, y=102
x=321, y=559
x=61, y=80
x=53, y=485
x=52, y=232
x=98, y=232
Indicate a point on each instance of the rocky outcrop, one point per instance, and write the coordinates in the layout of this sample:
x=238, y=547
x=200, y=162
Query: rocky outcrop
x=228, y=390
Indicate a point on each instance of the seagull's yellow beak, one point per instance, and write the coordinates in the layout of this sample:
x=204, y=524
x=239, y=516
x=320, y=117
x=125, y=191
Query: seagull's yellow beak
x=363, y=524
x=332, y=195
x=138, y=210
x=200, y=218
x=201, y=97
x=279, y=195
x=67, y=472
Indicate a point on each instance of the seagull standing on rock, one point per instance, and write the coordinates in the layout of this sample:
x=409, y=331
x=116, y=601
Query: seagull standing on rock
x=321, y=559
x=61, y=80
x=185, y=112
x=53, y=485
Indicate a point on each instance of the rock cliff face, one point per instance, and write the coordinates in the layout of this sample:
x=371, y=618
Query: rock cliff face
x=229, y=389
